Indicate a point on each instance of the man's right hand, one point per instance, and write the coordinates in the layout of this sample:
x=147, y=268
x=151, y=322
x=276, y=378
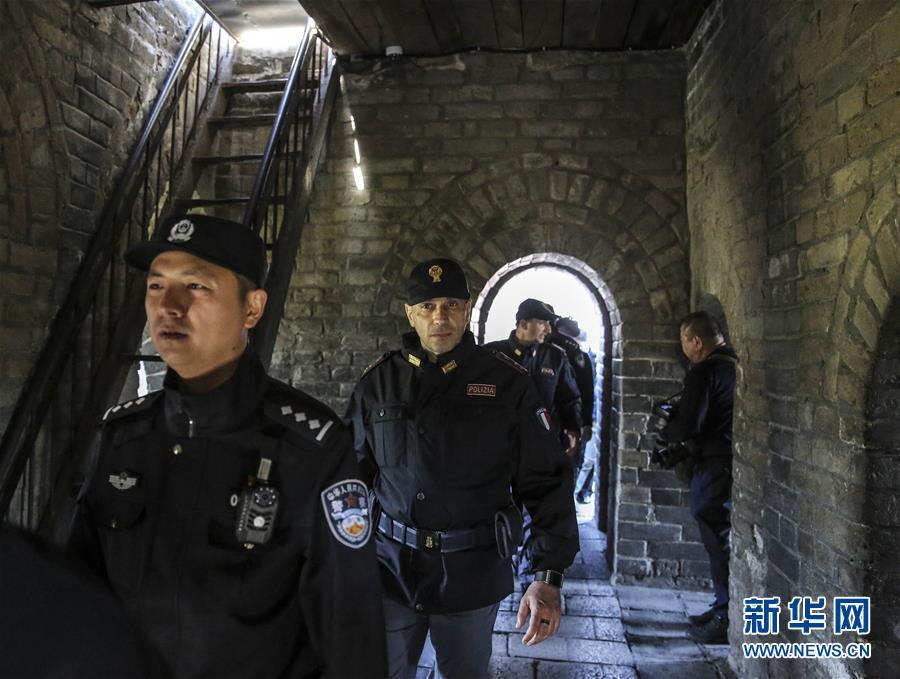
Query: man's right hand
x=572, y=435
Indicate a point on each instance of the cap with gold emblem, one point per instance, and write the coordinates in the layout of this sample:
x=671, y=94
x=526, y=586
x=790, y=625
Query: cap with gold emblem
x=220, y=241
x=437, y=277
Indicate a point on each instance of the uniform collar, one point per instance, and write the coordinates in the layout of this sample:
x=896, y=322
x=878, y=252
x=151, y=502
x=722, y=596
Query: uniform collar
x=414, y=353
x=519, y=350
x=224, y=408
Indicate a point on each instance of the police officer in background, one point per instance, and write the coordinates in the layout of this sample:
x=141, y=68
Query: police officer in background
x=548, y=366
x=565, y=336
x=450, y=433
x=226, y=511
x=703, y=421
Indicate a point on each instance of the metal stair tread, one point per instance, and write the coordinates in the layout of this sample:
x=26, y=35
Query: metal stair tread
x=233, y=200
x=246, y=119
x=269, y=85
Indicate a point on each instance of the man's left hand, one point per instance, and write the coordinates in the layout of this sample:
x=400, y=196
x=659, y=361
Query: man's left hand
x=542, y=601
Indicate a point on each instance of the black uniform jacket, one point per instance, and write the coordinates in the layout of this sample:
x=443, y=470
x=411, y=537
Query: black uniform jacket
x=157, y=520
x=583, y=369
x=448, y=444
x=549, y=368
x=704, y=414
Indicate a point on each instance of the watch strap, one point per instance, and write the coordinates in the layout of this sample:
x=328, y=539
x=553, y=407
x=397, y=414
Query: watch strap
x=554, y=578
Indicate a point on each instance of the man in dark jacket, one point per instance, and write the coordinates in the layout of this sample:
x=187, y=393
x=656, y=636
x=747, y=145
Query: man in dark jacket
x=226, y=511
x=703, y=420
x=548, y=366
x=564, y=335
x=450, y=433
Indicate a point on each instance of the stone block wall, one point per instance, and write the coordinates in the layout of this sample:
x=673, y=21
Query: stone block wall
x=489, y=158
x=793, y=143
x=76, y=86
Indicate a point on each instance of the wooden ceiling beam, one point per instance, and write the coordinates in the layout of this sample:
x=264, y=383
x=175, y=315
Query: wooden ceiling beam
x=408, y=23
x=508, y=23
x=580, y=23
x=648, y=22
x=476, y=21
x=442, y=17
x=542, y=23
x=612, y=27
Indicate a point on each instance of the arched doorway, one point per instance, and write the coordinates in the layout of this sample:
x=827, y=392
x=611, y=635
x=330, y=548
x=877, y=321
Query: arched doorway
x=574, y=289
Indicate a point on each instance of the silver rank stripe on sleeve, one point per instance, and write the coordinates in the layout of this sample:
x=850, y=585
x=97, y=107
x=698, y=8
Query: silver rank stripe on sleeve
x=313, y=424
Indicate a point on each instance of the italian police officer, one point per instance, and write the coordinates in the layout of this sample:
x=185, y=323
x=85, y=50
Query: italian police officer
x=547, y=364
x=226, y=511
x=450, y=433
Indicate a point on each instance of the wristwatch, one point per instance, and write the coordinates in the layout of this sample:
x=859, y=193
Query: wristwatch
x=554, y=578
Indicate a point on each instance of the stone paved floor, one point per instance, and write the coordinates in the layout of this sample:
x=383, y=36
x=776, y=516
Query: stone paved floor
x=606, y=632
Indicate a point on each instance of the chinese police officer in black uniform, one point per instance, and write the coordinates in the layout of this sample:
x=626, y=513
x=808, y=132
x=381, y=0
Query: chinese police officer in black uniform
x=453, y=436
x=226, y=511
x=703, y=420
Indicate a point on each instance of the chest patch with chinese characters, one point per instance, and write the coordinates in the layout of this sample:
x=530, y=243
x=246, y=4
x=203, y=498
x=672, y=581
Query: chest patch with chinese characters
x=124, y=480
x=547, y=371
x=481, y=390
x=346, y=505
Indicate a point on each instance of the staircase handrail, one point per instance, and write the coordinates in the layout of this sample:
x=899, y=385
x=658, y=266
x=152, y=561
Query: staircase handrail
x=40, y=389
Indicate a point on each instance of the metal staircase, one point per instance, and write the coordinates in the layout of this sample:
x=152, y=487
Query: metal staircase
x=245, y=149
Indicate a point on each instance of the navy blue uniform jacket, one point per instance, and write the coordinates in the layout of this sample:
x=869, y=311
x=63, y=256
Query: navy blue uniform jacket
x=157, y=521
x=447, y=445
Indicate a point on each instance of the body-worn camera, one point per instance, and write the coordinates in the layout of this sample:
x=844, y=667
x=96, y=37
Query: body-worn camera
x=257, y=509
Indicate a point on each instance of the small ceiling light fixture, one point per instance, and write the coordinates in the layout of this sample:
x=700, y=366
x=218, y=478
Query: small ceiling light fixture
x=393, y=51
x=356, y=151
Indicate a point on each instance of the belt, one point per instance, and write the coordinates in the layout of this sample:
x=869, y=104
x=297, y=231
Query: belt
x=444, y=542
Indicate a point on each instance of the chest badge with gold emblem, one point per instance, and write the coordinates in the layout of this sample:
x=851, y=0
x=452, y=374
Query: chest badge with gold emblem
x=435, y=272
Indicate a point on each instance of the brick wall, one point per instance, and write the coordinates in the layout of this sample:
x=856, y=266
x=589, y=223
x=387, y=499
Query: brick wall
x=793, y=139
x=488, y=158
x=77, y=84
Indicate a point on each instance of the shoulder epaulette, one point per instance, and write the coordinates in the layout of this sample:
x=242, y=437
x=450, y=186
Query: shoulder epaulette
x=299, y=412
x=378, y=361
x=503, y=358
x=554, y=347
x=131, y=407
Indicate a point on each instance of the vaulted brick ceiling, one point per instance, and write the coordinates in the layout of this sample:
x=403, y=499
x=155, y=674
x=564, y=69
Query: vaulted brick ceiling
x=435, y=27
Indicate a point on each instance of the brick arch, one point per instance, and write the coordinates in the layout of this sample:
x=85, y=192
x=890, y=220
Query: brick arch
x=536, y=203
x=869, y=280
x=608, y=370
x=634, y=236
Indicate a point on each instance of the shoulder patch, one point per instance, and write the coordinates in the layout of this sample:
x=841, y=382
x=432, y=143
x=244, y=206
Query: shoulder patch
x=378, y=361
x=503, y=358
x=346, y=505
x=131, y=407
x=300, y=413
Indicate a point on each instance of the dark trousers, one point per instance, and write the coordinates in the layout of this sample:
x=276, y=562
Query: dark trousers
x=462, y=641
x=711, y=506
